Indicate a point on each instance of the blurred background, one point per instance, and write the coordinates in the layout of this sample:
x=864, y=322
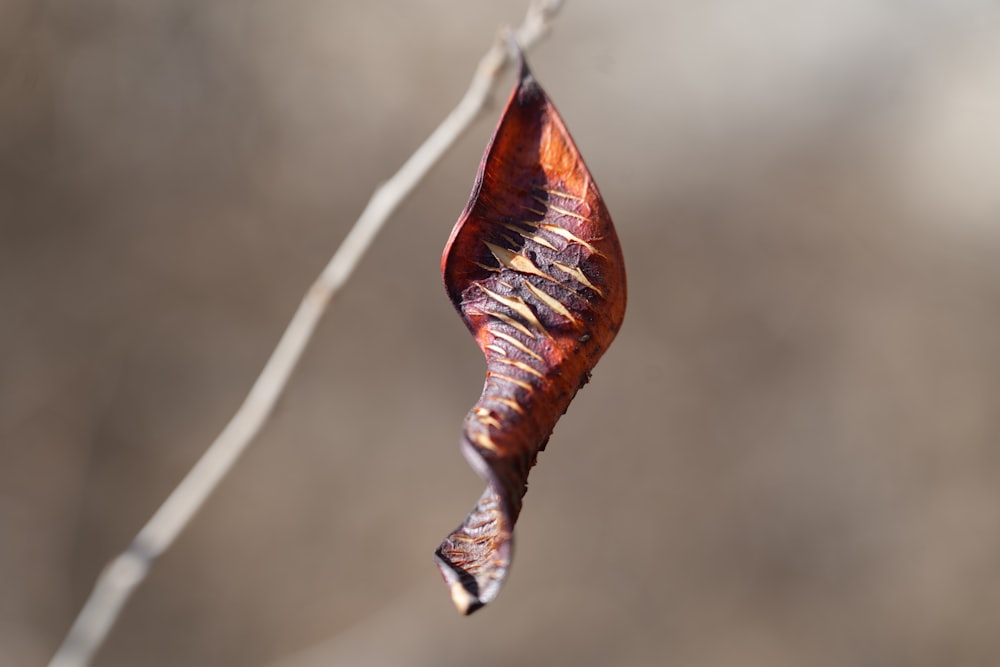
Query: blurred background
x=789, y=457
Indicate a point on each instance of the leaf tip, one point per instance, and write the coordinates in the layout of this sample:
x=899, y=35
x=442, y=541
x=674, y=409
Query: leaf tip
x=465, y=602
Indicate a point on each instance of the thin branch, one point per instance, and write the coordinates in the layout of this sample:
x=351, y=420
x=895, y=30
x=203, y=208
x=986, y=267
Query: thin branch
x=124, y=574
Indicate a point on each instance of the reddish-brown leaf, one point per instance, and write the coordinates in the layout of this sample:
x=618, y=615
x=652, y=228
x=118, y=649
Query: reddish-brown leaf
x=534, y=268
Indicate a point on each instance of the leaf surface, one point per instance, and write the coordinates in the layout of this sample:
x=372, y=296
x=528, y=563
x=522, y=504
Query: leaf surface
x=535, y=270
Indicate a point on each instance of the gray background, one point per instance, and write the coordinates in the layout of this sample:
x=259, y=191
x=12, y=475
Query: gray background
x=789, y=456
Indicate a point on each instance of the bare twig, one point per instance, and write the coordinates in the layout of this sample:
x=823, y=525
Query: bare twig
x=124, y=574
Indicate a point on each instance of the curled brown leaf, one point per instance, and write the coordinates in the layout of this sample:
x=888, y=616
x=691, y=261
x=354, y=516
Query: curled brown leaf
x=535, y=269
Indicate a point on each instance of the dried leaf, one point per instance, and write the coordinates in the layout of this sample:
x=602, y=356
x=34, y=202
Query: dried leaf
x=534, y=268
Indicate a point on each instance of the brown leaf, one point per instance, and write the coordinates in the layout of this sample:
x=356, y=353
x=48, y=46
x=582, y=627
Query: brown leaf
x=534, y=268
